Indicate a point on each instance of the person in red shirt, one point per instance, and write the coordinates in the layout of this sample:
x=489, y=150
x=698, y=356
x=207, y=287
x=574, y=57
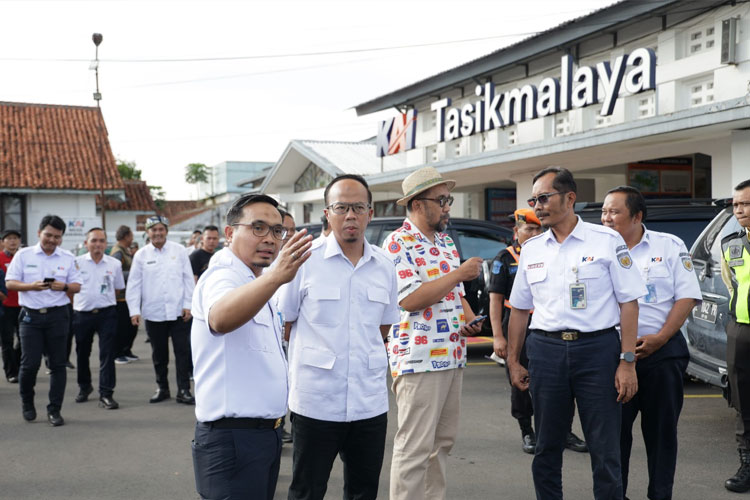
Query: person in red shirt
x=9, y=341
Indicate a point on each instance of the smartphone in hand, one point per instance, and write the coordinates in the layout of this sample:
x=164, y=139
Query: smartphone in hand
x=477, y=320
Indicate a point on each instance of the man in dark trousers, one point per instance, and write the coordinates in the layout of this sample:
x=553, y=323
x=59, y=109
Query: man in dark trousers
x=9, y=341
x=126, y=331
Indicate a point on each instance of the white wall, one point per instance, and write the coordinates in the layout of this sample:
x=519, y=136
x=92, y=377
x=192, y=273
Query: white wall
x=78, y=210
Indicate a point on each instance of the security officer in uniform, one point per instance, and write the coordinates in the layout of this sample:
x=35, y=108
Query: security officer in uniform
x=735, y=272
x=42, y=274
x=580, y=281
x=661, y=350
x=94, y=311
x=504, y=267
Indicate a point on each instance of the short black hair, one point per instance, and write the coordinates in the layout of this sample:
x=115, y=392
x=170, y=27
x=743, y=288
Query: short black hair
x=742, y=185
x=563, y=182
x=353, y=177
x=634, y=200
x=95, y=229
x=210, y=227
x=122, y=233
x=284, y=213
x=234, y=214
x=197, y=231
x=54, y=221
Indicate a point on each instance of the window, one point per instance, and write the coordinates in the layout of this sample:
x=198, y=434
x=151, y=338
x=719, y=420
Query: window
x=478, y=245
x=700, y=39
x=389, y=209
x=512, y=138
x=431, y=154
x=702, y=92
x=312, y=178
x=13, y=213
x=731, y=226
x=646, y=107
x=562, y=126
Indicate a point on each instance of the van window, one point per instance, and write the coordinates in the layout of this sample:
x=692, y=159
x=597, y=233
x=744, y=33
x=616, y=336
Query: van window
x=478, y=245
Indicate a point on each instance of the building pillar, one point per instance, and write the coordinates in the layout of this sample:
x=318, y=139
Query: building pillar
x=739, y=170
x=524, y=182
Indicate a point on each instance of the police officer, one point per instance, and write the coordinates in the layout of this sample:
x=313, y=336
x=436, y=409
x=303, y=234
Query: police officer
x=580, y=281
x=735, y=272
x=42, y=274
x=661, y=350
x=94, y=311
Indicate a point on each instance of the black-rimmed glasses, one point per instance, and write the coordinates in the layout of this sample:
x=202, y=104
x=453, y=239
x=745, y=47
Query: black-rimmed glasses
x=340, y=208
x=441, y=200
x=542, y=198
x=261, y=229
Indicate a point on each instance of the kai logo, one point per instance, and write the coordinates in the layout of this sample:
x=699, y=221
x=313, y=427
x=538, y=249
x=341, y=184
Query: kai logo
x=587, y=259
x=655, y=259
x=397, y=134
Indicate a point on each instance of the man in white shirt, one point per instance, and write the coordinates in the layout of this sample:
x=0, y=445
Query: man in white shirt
x=160, y=289
x=580, y=281
x=94, y=311
x=240, y=368
x=661, y=350
x=42, y=275
x=342, y=304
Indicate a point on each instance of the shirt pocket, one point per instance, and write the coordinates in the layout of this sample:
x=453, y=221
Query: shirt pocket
x=324, y=307
x=536, y=277
x=594, y=276
x=374, y=379
x=315, y=370
x=377, y=301
x=262, y=336
x=661, y=278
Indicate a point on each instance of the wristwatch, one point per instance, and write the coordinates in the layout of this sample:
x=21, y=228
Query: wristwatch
x=629, y=357
x=65, y=288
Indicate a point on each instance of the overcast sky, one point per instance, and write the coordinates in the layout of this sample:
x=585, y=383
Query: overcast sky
x=273, y=85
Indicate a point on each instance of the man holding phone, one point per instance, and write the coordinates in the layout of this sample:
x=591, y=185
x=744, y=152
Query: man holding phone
x=42, y=275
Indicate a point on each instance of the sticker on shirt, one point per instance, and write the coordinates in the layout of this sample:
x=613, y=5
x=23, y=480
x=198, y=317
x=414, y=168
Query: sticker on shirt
x=578, y=295
x=650, y=297
x=394, y=247
x=624, y=259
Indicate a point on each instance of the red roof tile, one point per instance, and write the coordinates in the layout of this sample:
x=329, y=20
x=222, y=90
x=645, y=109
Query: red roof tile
x=137, y=198
x=181, y=210
x=45, y=146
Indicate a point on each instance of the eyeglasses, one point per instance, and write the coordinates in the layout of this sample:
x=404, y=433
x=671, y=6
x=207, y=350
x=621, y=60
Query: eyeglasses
x=340, y=208
x=442, y=200
x=542, y=198
x=261, y=229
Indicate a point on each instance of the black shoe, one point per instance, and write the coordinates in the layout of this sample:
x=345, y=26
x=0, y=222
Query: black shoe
x=575, y=443
x=184, y=397
x=159, y=396
x=70, y=366
x=528, y=444
x=286, y=437
x=740, y=482
x=55, y=419
x=13, y=379
x=108, y=403
x=29, y=413
x=83, y=395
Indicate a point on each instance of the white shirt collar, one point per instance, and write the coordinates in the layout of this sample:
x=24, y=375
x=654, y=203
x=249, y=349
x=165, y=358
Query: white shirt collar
x=333, y=248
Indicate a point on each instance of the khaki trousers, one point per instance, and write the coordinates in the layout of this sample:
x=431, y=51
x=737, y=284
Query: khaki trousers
x=428, y=412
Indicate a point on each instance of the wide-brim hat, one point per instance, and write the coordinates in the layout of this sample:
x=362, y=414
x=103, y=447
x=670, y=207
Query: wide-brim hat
x=420, y=181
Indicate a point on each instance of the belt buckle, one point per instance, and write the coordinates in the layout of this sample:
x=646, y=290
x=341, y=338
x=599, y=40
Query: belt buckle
x=277, y=423
x=569, y=336
x=95, y=311
x=43, y=310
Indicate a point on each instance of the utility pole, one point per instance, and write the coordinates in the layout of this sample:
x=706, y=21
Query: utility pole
x=97, y=39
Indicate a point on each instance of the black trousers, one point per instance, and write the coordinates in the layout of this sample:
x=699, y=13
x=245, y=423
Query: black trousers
x=236, y=464
x=46, y=333
x=738, y=371
x=520, y=401
x=10, y=343
x=85, y=325
x=71, y=333
x=659, y=401
x=159, y=332
x=582, y=370
x=361, y=445
x=126, y=330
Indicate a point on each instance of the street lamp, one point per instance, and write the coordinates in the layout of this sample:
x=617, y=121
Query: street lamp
x=97, y=39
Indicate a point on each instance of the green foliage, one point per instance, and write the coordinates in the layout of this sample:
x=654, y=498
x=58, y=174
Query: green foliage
x=128, y=169
x=196, y=172
x=158, y=194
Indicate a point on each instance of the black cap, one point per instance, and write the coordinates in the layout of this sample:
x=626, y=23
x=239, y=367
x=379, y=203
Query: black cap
x=8, y=232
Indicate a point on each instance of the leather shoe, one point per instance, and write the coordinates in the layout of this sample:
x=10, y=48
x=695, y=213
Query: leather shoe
x=55, y=419
x=13, y=379
x=286, y=437
x=108, y=403
x=529, y=443
x=83, y=395
x=184, y=397
x=29, y=413
x=575, y=443
x=159, y=396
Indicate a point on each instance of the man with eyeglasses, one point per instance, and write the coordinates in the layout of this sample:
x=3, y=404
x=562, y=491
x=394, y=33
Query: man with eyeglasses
x=735, y=272
x=580, y=280
x=426, y=348
x=240, y=368
x=160, y=290
x=341, y=305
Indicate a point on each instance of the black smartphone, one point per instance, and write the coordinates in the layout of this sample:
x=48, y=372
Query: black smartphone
x=49, y=280
x=477, y=320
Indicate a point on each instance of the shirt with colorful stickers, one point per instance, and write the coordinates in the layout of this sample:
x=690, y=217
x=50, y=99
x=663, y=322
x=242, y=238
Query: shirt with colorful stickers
x=425, y=340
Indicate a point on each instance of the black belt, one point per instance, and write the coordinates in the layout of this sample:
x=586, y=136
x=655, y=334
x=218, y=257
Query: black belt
x=573, y=334
x=44, y=310
x=245, y=423
x=97, y=311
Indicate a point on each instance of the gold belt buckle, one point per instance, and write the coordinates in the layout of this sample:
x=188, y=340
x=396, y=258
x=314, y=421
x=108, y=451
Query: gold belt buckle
x=277, y=423
x=95, y=311
x=569, y=335
x=43, y=310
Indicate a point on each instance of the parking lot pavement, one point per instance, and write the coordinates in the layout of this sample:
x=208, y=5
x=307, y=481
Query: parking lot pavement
x=142, y=450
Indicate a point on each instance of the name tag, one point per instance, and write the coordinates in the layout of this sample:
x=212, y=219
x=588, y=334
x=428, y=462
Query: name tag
x=578, y=295
x=150, y=262
x=736, y=262
x=650, y=298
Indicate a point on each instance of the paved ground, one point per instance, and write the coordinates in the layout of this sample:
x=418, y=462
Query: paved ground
x=143, y=450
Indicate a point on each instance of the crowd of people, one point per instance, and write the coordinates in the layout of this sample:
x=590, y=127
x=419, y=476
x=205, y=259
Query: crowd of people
x=276, y=322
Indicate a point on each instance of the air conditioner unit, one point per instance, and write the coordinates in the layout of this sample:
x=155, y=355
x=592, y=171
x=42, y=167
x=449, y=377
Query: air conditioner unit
x=729, y=41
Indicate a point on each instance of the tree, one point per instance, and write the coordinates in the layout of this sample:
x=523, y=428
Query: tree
x=158, y=194
x=196, y=172
x=128, y=169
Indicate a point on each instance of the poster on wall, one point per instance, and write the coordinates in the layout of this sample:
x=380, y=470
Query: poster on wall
x=76, y=229
x=500, y=204
x=663, y=178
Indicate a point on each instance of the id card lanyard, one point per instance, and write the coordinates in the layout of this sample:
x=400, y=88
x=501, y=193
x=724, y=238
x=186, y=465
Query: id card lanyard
x=650, y=298
x=577, y=292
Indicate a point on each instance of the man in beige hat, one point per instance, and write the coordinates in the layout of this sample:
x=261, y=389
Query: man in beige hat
x=427, y=349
